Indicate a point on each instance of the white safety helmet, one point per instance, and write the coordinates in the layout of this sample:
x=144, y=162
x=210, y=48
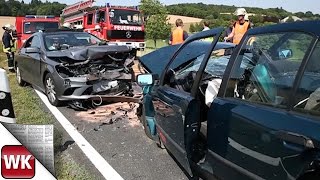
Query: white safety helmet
x=66, y=25
x=240, y=12
x=7, y=27
x=97, y=27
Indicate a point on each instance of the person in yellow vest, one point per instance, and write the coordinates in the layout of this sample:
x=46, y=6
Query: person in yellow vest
x=178, y=35
x=240, y=27
x=8, y=45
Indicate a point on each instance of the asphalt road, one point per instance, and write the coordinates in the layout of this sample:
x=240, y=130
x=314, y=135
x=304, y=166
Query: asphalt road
x=124, y=146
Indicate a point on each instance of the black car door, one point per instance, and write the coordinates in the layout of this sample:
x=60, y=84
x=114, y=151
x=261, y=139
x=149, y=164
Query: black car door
x=253, y=133
x=177, y=110
x=35, y=61
x=28, y=61
x=24, y=61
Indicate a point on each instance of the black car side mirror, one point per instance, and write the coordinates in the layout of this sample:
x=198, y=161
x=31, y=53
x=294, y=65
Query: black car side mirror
x=32, y=50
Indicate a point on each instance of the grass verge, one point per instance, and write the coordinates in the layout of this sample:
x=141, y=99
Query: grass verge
x=160, y=43
x=28, y=110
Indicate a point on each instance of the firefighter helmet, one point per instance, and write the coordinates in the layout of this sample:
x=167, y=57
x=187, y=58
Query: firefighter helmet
x=7, y=27
x=240, y=12
x=97, y=27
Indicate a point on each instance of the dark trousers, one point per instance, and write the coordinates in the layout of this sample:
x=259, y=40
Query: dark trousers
x=10, y=56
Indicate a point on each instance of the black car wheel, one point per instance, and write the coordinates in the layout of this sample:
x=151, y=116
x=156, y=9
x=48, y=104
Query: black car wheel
x=50, y=89
x=143, y=121
x=19, y=78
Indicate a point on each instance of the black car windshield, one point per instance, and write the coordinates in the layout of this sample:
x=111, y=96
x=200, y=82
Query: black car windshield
x=121, y=16
x=32, y=27
x=59, y=41
x=215, y=67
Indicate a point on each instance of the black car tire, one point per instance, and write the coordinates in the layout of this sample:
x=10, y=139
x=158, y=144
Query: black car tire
x=144, y=123
x=50, y=91
x=19, y=78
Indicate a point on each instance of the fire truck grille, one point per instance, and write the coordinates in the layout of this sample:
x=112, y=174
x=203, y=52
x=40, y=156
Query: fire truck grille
x=116, y=34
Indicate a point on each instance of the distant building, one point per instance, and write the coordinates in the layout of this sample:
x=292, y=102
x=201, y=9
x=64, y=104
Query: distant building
x=294, y=18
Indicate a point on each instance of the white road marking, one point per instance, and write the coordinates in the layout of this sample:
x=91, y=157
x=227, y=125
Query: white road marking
x=97, y=160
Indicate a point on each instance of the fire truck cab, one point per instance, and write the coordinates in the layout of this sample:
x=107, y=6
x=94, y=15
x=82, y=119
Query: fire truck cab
x=123, y=25
x=26, y=26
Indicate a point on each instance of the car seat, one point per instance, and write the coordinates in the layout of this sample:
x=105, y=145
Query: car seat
x=266, y=83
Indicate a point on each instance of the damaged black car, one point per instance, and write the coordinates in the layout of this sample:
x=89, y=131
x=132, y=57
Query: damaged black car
x=75, y=66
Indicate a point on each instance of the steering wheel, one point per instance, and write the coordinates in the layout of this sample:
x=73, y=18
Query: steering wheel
x=257, y=80
x=188, y=82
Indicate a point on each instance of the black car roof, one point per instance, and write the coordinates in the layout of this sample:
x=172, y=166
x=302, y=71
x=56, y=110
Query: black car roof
x=62, y=31
x=58, y=31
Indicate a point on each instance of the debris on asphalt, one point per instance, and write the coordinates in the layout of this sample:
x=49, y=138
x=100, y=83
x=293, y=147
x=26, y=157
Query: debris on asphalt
x=111, y=114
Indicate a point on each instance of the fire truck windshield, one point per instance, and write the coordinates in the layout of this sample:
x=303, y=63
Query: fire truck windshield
x=122, y=16
x=32, y=27
x=57, y=41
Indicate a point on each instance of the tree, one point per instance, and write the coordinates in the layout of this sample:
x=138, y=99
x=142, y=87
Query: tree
x=19, y=8
x=192, y=28
x=308, y=14
x=157, y=26
x=151, y=7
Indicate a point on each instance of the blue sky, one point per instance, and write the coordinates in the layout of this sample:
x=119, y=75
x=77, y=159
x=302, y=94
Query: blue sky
x=290, y=5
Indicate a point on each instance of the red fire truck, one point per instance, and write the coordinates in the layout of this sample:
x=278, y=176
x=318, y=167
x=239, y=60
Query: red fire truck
x=119, y=24
x=25, y=26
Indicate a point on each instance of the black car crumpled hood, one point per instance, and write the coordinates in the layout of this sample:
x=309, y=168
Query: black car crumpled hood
x=88, y=52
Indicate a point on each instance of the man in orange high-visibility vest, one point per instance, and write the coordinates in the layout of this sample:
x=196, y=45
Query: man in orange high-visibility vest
x=240, y=27
x=178, y=35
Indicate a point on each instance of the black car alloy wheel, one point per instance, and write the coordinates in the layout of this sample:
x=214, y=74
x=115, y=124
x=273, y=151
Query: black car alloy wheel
x=50, y=89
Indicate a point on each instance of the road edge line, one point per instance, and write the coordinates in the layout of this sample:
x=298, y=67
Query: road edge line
x=96, y=159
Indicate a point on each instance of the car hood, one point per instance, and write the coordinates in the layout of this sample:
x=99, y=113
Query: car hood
x=88, y=52
x=156, y=61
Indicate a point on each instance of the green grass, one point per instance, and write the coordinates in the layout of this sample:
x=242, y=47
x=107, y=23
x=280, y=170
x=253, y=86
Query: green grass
x=28, y=110
x=160, y=43
x=69, y=170
x=150, y=46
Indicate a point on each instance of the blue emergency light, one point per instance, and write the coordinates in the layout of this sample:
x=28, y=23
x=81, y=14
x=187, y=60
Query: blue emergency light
x=108, y=5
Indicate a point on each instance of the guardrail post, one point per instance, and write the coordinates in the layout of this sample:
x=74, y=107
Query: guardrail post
x=6, y=107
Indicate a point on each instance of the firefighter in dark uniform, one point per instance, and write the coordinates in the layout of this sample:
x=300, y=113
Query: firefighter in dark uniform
x=8, y=45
